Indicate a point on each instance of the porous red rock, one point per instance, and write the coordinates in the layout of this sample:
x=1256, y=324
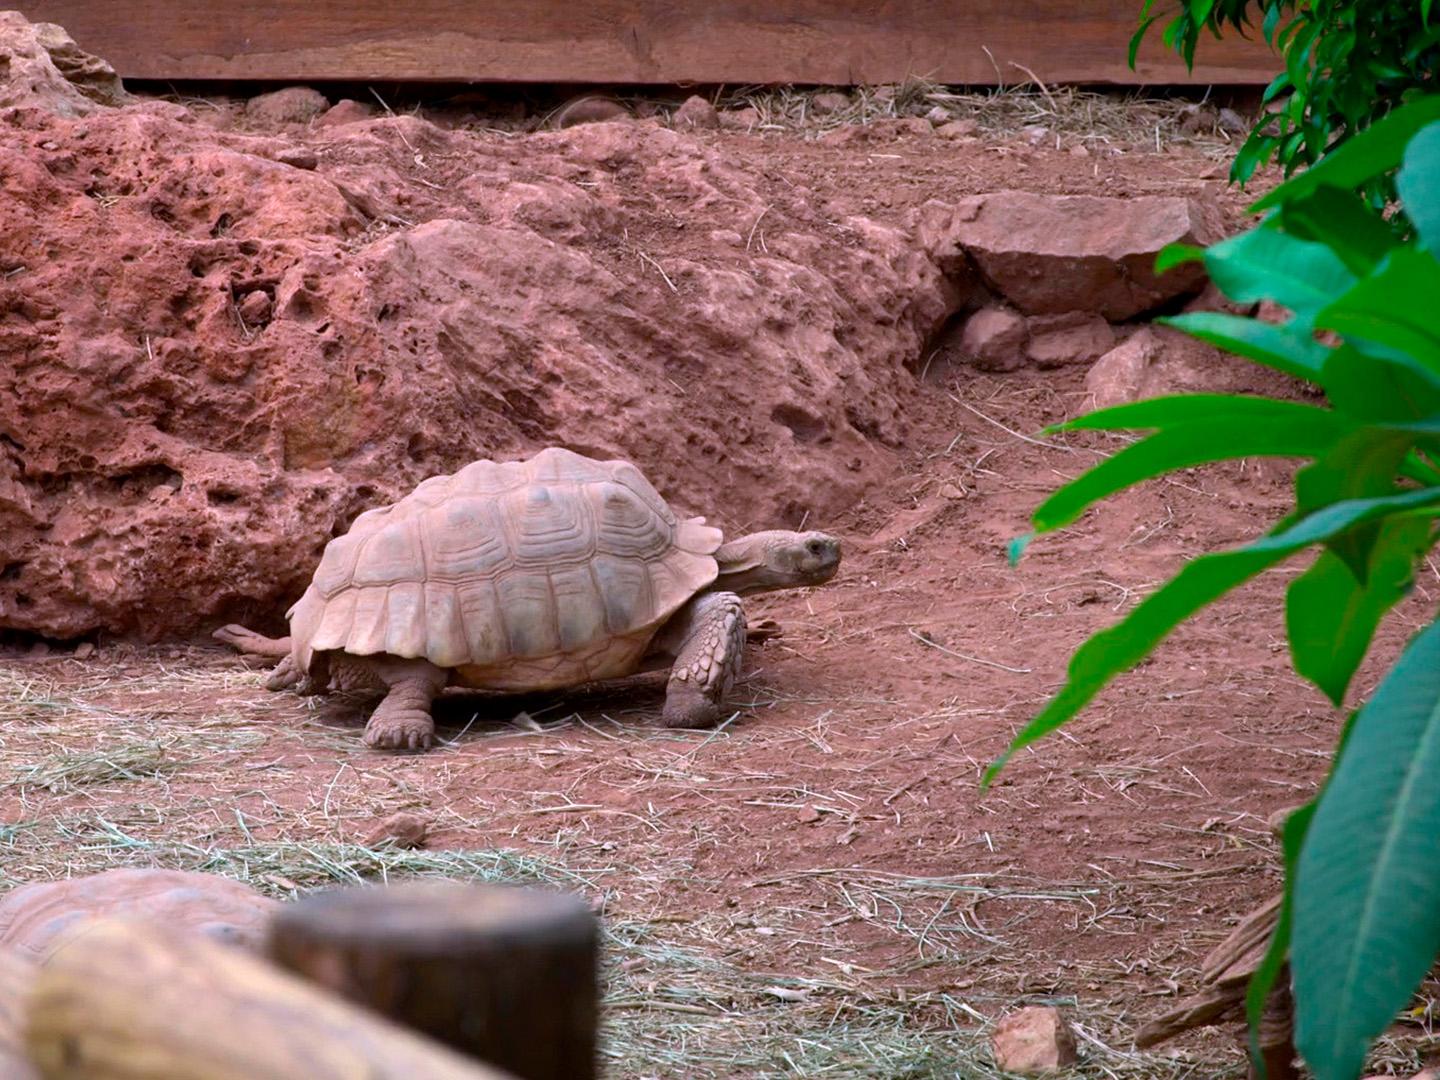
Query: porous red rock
x=35, y=918
x=40, y=65
x=173, y=457
x=1048, y=254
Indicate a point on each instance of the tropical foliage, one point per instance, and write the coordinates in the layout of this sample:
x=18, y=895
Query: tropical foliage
x=1361, y=287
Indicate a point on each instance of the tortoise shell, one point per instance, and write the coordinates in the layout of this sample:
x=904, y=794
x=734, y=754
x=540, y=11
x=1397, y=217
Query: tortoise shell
x=35, y=917
x=520, y=575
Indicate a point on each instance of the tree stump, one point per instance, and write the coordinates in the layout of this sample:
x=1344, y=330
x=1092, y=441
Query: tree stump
x=122, y=1000
x=503, y=974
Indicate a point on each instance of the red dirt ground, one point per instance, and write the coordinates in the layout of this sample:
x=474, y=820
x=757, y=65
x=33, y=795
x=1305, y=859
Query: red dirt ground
x=806, y=839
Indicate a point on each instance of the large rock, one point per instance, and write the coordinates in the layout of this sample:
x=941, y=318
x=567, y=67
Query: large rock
x=215, y=361
x=1048, y=254
x=40, y=65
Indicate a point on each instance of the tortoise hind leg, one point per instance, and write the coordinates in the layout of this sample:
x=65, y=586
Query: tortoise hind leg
x=707, y=638
x=403, y=721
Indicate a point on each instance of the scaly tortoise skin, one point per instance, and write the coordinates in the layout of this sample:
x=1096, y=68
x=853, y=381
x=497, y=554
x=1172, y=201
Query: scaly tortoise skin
x=35, y=918
x=530, y=575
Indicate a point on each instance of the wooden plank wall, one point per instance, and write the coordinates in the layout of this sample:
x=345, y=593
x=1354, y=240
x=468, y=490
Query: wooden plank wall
x=636, y=41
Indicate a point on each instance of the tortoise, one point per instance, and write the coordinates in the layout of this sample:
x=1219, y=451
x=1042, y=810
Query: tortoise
x=34, y=918
x=530, y=575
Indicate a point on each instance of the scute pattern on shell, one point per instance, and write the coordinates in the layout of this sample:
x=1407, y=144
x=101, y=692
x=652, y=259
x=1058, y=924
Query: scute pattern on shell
x=547, y=560
x=34, y=918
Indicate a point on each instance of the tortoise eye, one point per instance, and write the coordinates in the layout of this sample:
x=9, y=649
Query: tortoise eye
x=814, y=547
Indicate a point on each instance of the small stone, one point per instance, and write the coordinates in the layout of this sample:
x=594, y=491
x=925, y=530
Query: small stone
x=849, y=133
x=1233, y=122
x=831, y=101
x=1071, y=338
x=950, y=491
x=746, y=119
x=958, y=129
x=49, y=144
x=938, y=115
x=403, y=829
x=1118, y=376
x=345, y=111
x=696, y=112
x=1033, y=1041
x=588, y=109
x=292, y=105
x=255, y=308
x=809, y=815
x=994, y=339
x=1035, y=134
x=299, y=157
x=727, y=236
x=1079, y=150
x=84, y=650
x=905, y=125
x=1198, y=119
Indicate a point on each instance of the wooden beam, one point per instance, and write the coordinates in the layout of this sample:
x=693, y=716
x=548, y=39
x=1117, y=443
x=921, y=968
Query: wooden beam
x=126, y=1001
x=639, y=41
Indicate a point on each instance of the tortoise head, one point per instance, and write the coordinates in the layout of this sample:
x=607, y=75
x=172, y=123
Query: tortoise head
x=777, y=559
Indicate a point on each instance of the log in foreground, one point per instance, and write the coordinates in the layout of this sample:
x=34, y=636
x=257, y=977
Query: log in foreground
x=123, y=1001
x=503, y=974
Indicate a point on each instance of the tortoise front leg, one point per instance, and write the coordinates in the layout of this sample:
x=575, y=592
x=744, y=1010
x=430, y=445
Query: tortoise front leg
x=403, y=721
x=707, y=637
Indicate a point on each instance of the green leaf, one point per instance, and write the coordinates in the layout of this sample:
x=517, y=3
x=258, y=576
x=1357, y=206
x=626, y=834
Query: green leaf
x=1342, y=222
x=1361, y=464
x=1380, y=388
x=1175, y=409
x=1266, y=264
x=1290, y=430
x=1419, y=185
x=1279, y=347
x=1331, y=617
x=1367, y=889
x=1373, y=152
x=1199, y=582
x=1138, y=37
x=1177, y=254
x=1395, y=307
x=1292, y=840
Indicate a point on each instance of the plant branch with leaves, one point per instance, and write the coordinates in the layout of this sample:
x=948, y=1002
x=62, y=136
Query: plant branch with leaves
x=1361, y=920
